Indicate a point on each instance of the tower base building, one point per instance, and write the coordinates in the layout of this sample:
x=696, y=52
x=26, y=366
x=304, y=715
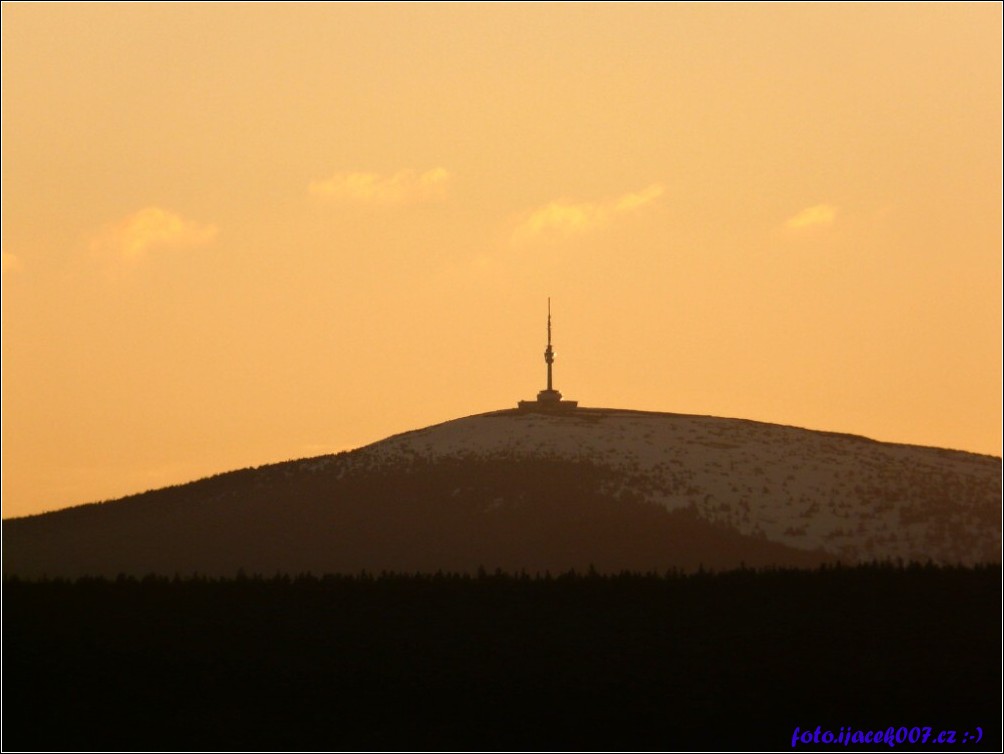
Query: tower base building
x=548, y=400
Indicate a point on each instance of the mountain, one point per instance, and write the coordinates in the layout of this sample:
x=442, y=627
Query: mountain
x=602, y=488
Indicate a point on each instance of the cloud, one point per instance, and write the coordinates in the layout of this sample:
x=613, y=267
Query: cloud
x=819, y=214
x=403, y=187
x=151, y=228
x=566, y=218
x=639, y=199
x=11, y=263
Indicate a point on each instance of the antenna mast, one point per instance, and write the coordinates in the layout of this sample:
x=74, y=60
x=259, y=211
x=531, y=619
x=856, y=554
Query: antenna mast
x=549, y=353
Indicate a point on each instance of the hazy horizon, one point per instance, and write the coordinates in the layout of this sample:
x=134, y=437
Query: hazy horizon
x=234, y=235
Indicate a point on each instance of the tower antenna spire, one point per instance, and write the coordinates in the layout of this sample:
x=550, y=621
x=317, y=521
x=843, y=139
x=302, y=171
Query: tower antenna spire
x=549, y=353
x=548, y=320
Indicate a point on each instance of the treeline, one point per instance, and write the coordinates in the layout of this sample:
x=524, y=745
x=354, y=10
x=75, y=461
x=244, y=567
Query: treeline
x=493, y=660
x=827, y=572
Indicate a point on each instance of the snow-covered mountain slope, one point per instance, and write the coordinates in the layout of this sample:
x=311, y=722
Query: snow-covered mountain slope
x=849, y=496
x=618, y=490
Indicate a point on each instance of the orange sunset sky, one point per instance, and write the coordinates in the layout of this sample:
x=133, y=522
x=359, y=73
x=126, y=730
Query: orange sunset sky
x=239, y=234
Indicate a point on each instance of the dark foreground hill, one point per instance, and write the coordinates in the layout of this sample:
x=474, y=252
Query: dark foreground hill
x=732, y=660
x=610, y=489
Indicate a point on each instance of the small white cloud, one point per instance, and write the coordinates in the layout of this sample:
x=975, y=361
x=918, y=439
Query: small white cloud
x=566, y=218
x=639, y=199
x=403, y=187
x=819, y=214
x=11, y=263
x=151, y=228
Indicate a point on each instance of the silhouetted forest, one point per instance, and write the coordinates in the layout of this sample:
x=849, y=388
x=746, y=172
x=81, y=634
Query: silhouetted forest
x=453, y=514
x=494, y=661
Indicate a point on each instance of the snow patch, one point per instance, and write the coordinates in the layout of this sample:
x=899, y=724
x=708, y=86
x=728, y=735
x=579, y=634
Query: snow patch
x=849, y=496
